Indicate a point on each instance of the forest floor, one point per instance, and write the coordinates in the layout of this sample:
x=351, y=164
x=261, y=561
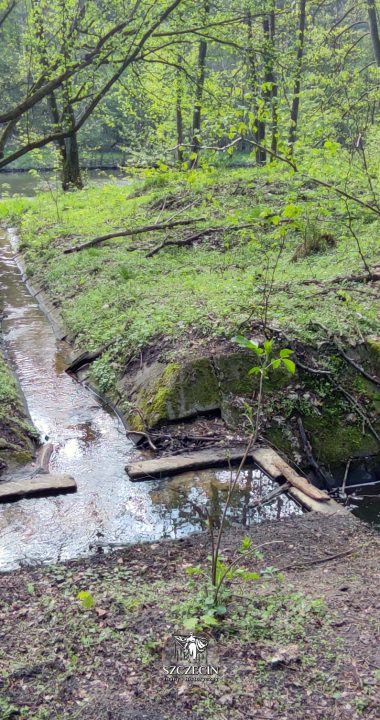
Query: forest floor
x=300, y=646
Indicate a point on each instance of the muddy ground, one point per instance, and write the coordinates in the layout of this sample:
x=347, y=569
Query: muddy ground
x=61, y=661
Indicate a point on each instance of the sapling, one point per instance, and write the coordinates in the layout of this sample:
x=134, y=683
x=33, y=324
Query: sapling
x=222, y=573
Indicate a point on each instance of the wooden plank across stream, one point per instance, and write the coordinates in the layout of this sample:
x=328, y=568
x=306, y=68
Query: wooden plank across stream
x=176, y=464
x=45, y=484
x=266, y=458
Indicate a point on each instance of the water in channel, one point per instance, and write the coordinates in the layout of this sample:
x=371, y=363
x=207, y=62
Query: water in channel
x=91, y=445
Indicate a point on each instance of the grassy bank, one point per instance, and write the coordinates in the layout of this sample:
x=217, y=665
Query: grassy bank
x=109, y=292
x=281, y=270
x=17, y=435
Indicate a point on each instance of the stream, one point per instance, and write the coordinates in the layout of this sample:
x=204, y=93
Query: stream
x=91, y=445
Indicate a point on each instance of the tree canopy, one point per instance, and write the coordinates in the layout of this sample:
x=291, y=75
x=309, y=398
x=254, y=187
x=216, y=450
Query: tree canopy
x=174, y=82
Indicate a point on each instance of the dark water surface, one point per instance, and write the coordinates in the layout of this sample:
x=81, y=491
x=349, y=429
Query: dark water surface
x=90, y=444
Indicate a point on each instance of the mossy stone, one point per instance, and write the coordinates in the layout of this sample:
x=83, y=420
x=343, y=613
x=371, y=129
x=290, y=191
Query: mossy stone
x=334, y=441
x=173, y=391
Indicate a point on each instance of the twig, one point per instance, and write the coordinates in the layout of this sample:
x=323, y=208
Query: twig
x=338, y=346
x=313, y=371
x=334, y=281
x=309, y=452
x=318, y=562
x=356, y=365
x=275, y=493
x=192, y=238
x=347, y=470
x=132, y=231
x=145, y=435
x=360, y=411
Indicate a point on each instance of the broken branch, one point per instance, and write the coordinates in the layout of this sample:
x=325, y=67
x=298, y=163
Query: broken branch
x=192, y=238
x=132, y=231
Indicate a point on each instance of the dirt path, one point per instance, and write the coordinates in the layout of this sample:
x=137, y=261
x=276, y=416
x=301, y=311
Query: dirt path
x=59, y=660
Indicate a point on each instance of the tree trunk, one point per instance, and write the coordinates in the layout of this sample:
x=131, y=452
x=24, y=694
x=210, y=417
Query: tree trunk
x=57, y=126
x=71, y=172
x=197, y=111
x=179, y=116
x=270, y=92
x=274, y=98
x=374, y=28
x=297, y=82
x=259, y=133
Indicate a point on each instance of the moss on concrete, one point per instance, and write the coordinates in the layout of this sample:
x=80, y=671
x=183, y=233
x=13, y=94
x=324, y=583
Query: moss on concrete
x=334, y=441
x=174, y=391
x=180, y=390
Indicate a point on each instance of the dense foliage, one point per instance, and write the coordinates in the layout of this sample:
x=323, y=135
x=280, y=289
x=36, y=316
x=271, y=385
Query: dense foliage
x=163, y=81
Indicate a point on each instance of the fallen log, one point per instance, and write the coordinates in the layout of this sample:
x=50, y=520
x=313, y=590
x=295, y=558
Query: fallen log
x=330, y=507
x=87, y=358
x=132, y=231
x=274, y=465
x=37, y=485
x=176, y=464
x=266, y=458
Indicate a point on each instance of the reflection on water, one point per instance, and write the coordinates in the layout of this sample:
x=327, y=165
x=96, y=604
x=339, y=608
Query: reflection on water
x=91, y=445
x=182, y=498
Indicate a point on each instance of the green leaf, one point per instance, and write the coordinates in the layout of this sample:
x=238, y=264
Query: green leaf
x=220, y=610
x=246, y=543
x=86, y=599
x=286, y=352
x=254, y=371
x=268, y=346
x=244, y=342
x=290, y=365
x=291, y=211
x=190, y=623
x=247, y=575
x=209, y=620
x=194, y=570
x=276, y=364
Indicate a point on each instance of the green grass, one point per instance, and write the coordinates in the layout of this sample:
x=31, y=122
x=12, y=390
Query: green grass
x=15, y=430
x=8, y=387
x=108, y=292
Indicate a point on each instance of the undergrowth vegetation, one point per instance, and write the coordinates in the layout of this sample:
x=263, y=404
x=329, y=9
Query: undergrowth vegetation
x=297, y=232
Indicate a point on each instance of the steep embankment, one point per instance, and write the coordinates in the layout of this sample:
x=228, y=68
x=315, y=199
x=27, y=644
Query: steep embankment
x=17, y=436
x=245, y=251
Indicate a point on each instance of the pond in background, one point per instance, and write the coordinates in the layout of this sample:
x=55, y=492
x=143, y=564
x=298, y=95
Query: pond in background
x=27, y=184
